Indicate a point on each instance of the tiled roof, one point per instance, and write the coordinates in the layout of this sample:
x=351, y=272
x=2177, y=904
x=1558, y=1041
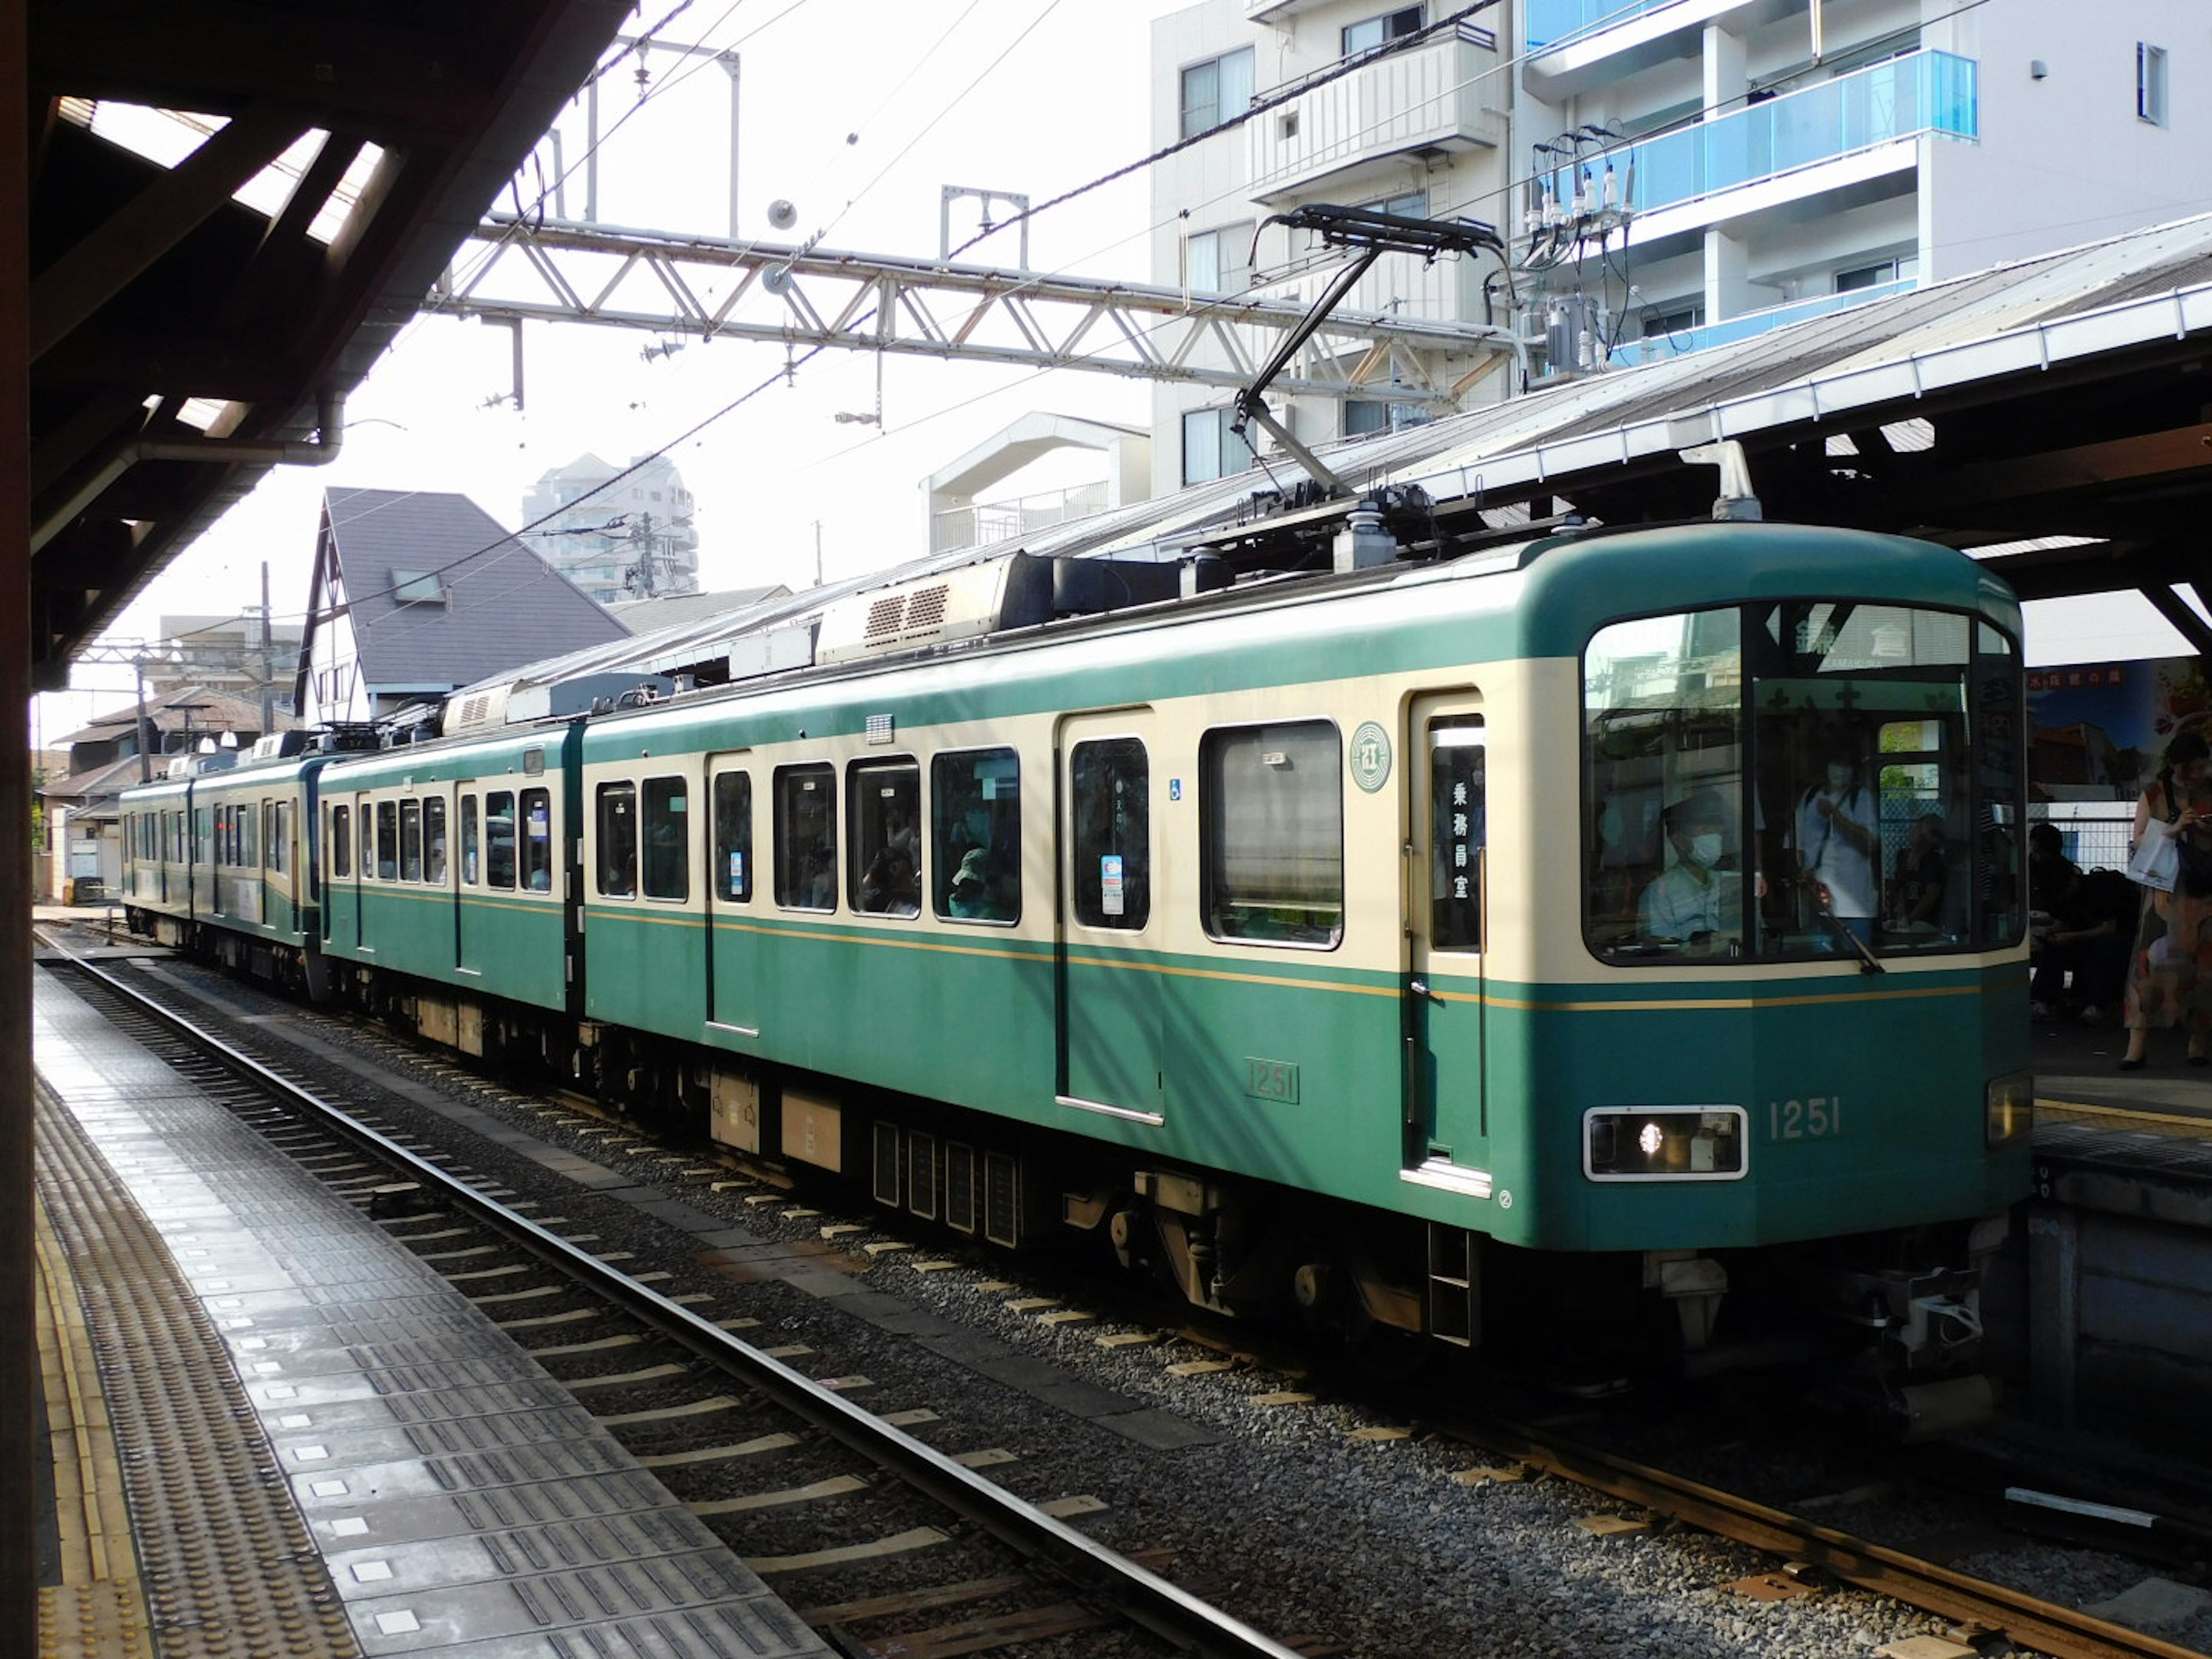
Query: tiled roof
x=502, y=604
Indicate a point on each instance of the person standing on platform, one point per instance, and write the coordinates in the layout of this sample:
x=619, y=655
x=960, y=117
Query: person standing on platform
x=2170, y=980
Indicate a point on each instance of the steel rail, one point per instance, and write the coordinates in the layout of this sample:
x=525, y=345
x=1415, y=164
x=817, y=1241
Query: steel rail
x=1143, y=1596
x=2026, y=1620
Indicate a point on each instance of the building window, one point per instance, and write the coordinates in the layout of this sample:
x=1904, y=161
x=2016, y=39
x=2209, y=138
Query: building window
x=1674, y=322
x=668, y=839
x=1366, y=37
x=807, y=838
x=1219, y=261
x=976, y=808
x=1364, y=417
x=1215, y=91
x=1210, y=449
x=1410, y=204
x=2150, y=84
x=1271, y=821
x=1874, y=276
x=418, y=588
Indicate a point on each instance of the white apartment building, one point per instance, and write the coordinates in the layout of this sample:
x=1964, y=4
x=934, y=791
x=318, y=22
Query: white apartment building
x=1667, y=174
x=634, y=539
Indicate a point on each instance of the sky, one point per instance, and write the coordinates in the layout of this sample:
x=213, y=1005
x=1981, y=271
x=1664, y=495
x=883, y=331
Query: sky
x=859, y=115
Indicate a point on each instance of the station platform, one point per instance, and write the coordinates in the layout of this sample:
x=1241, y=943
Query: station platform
x=2078, y=1080
x=276, y=1434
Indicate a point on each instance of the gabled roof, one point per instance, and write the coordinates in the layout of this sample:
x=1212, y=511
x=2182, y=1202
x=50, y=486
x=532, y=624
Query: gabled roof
x=487, y=603
x=188, y=707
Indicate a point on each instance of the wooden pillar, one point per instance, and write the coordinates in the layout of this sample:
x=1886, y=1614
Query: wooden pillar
x=19, y=1340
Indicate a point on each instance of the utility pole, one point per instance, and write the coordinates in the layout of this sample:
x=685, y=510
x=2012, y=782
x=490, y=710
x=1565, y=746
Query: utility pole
x=145, y=758
x=268, y=667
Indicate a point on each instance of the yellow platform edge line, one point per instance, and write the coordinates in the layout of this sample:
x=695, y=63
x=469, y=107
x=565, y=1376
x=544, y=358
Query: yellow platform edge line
x=93, y=1516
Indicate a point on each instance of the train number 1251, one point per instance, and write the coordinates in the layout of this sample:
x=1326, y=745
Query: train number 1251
x=1813, y=1118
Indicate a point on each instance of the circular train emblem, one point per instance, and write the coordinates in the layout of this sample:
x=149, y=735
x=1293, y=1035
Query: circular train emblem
x=1370, y=757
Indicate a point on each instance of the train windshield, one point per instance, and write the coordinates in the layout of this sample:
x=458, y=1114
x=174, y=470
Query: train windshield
x=1801, y=779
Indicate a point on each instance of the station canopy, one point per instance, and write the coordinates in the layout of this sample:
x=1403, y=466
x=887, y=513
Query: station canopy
x=2046, y=417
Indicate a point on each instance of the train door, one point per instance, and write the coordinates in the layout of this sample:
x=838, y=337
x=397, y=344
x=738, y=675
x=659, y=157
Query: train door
x=1446, y=1113
x=1111, y=1002
x=734, y=944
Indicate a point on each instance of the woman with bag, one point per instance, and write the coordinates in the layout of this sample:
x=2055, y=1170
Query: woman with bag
x=2170, y=980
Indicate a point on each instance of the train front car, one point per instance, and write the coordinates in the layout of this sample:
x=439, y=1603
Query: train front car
x=1772, y=1035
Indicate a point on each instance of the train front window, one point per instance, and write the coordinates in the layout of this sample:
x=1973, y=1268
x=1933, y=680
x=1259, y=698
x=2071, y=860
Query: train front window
x=1801, y=780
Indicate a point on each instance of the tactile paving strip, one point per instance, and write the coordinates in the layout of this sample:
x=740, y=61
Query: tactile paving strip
x=229, y=1568
x=461, y=1502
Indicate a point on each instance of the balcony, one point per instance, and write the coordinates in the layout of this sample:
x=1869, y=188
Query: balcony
x=1441, y=96
x=1885, y=103
x=1550, y=22
x=1636, y=353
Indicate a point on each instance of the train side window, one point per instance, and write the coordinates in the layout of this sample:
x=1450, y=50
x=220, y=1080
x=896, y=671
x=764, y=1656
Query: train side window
x=1458, y=831
x=341, y=842
x=617, y=837
x=1270, y=823
x=537, y=841
x=434, y=841
x=471, y=818
x=733, y=837
x=499, y=838
x=667, y=825
x=885, y=802
x=1111, y=812
x=202, y=835
x=388, y=841
x=411, y=841
x=975, y=834
x=806, y=837
x=244, y=819
x=278, y=842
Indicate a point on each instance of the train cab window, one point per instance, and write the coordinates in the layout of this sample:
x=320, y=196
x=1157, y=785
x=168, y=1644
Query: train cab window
x=1271, y=825
x=388, y=841
x=411, y=841
x=667, y=833
x=471, y=834
x=434, y=841
x=885, y=801
x=537, y=840
x=499, y=838
x=733, y=837
x=618, y=839
x=1459, y=831
x=1801, y=780
x=806, y=837
x=975, y=836
x=341, y=842
x=1110, y=812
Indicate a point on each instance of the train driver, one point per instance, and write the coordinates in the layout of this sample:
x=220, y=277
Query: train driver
x=1693, y=901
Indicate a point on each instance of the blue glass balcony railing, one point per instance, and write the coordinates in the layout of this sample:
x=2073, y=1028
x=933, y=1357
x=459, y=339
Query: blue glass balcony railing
x=1547, y=22
x=1900, y=97
x=1660, y=346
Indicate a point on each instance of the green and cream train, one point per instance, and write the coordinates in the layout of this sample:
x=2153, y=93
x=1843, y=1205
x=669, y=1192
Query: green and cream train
x=1602, y=922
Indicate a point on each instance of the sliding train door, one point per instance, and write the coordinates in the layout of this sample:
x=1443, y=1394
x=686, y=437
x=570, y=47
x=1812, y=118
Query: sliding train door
x=1111, y=1005
x=1447, y=1128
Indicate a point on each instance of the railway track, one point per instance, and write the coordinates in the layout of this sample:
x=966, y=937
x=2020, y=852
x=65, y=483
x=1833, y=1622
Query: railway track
x=1068, y=1582
x=1802, y=1553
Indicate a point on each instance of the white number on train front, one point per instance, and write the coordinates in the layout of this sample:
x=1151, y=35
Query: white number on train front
x=1816, y=1117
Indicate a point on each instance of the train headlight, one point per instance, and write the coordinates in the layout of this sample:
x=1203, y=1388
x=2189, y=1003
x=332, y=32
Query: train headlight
x=1663, y=1143
x=2008, y=1107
